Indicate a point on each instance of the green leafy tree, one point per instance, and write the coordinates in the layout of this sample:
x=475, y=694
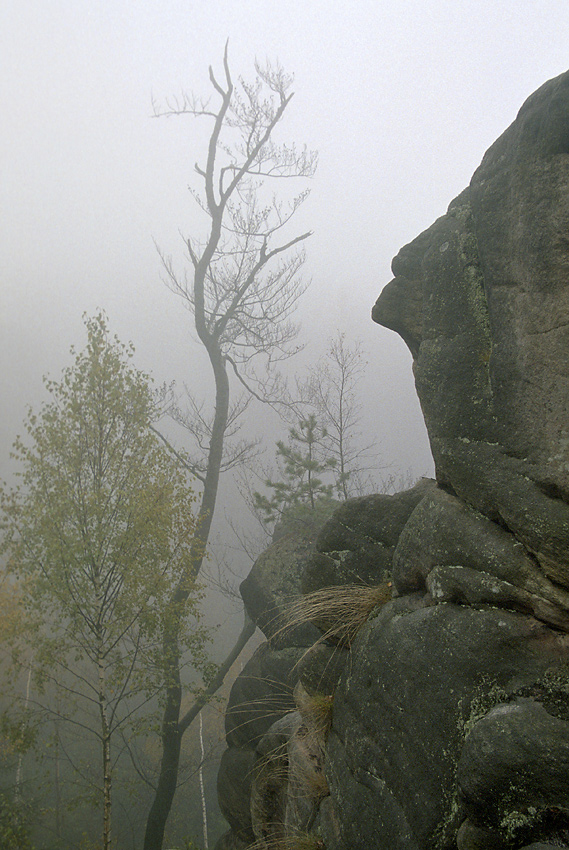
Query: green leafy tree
x=14, y=825
x=100, y=531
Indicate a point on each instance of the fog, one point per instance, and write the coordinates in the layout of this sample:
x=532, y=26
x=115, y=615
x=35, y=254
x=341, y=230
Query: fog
x=401, y=99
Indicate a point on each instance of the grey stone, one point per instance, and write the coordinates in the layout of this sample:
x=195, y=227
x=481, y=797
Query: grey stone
x=482, y=300
x=261, y=694
x=288, y=781
x=230, y=841
x=444, y=531
x=234, y=797
x=320, y=668
x=473, y=837
x=539, y=845
x=514, y=766
x=416, y=680
x=356, y=545
x=274, y=582
x=450, y=722
x=474, y=587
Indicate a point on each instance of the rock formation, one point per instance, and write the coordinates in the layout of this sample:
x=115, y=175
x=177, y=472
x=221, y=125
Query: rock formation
x=450, y=708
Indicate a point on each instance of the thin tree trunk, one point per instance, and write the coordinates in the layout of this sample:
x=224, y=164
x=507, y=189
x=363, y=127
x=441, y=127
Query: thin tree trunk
x=18, y=784
x=218, y=194
x=57, y=780
x=106, y=753
x=107, y=784
x=166, y=788
x=172, y=733
x=202, y=792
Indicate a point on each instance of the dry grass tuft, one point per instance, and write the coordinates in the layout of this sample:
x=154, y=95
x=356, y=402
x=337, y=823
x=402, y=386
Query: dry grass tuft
x=316, y=711
x=293, y=841
x=339, y=611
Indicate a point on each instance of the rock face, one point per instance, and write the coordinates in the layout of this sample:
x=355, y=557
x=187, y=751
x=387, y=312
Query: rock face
x=271, y=776
x=450, y=709
x=482, y=300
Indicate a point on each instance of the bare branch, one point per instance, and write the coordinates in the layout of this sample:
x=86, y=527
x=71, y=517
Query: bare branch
x=246, y=634
x=182, y=458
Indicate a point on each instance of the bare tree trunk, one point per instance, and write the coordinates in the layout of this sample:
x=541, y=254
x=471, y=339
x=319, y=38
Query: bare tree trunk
x=245, y=319
x=167, y=781
x=172, y=733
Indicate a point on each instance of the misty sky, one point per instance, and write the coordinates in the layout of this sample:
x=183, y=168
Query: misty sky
x=400, y=97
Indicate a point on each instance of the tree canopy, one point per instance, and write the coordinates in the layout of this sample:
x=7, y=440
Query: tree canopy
x=99, y=531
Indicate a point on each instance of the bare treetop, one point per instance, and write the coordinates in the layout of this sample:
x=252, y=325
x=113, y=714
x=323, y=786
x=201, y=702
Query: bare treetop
x=244, y=282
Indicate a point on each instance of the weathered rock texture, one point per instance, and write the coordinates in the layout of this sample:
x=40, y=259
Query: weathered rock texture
x=450, y=709
x=271, y=776
x=482, y=300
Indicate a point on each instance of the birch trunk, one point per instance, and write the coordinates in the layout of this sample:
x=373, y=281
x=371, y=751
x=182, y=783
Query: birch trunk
x=106, y=753
x=202, y=792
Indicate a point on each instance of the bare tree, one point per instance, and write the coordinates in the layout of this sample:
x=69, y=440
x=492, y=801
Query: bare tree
x=332, y=392
x=242, y=286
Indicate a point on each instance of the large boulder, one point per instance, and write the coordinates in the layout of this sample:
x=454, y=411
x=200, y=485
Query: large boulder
x=357, y=544
x=262, y=696
x=234, y=797
x=273, y=584
x=420, y=680
x=482, y=300
x=513, y=768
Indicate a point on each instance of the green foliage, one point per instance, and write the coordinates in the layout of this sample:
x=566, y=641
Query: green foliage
x=14, y=832
x=16, y=737
x=100, y=528
x=301, y=465
x=191, y=845
x=99, y=534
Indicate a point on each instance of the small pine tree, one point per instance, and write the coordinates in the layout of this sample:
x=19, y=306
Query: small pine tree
x=300, y=487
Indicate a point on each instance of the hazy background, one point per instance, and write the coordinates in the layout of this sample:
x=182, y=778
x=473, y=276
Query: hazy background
x=400, y=97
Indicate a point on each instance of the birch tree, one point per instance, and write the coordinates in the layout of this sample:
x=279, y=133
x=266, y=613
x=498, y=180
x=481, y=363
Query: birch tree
x=242, y=286
x=100, y=531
